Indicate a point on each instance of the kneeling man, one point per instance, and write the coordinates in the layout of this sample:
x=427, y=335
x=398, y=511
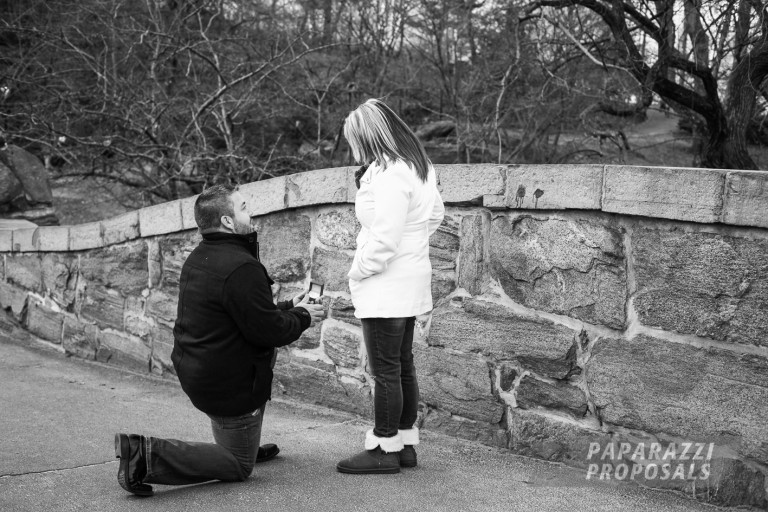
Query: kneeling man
x=226, y=332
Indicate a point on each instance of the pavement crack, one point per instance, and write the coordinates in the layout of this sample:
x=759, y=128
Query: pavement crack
x=57, y=470
x=322, y=426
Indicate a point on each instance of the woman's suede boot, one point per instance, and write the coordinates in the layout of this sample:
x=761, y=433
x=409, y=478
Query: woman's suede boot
x=380, y=456
x=408, y=454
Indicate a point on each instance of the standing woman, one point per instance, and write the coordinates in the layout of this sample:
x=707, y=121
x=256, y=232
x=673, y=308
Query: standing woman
x=399, y=207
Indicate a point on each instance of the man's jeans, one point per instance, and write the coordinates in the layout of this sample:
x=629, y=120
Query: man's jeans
x=232, y=458
x=389, y=342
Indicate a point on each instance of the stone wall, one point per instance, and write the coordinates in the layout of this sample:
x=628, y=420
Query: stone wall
x=575, y=306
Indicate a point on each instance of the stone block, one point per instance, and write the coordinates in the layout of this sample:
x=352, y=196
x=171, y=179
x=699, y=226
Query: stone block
x=572, y=266
x=25, y=270
x=138, y=325
x=284, y=245
x=734, y=483
x=746, y=199
x=533, y=393
x=444, y=245
x=43, y=322
x=154, y=263
x=309, y=339
x=11, y=331
x=161, y=358
x=495, y=331
x=621, y=456
x=705, y=284
x=52, y=238
x=342, y=345
x=443, y=284
x=351, y=184
x=444, y=422
x=134, y=320
x=160, y=219
x=331, y=267
x=495, y=201
x=694, y=195
x=187, y=206
x=473, y=252
x=80, y=339
x=120, y=229
x=25, y=240
x=507, y=376
x=12, y=297
x=162, y=334
x=162, y=347
x=173, y=252
x=462, y=184
x=59, y=277
x=265, y=196
x=122, y=267
x=85, y=236
x=338, y=228
x=342, y=309
x=656, y=386
x=544, y=436
x=554, y=187
x=162, y=306
x=308, y=383
x=123, y=350
x=324, y=186
x=457, y=383
x=6, y=240
x=103, y=306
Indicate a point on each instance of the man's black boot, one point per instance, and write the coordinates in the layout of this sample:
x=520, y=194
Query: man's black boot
x=130, y=449
x=267, y=452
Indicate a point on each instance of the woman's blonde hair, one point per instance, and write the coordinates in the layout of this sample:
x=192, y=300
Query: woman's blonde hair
x=374, y=131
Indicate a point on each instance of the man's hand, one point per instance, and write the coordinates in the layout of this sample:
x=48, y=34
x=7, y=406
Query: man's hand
x=297, y=299
x=316, y=311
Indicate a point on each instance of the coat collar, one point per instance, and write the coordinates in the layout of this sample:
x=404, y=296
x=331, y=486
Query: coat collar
x=249, y=241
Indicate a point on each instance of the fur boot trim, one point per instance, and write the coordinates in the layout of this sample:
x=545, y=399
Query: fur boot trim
x=410, y=436
x=388, y=444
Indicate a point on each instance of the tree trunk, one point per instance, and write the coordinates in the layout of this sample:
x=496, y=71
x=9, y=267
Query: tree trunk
x=665, y=11
x=727, y=144
x=694, y=31
x=327, y=21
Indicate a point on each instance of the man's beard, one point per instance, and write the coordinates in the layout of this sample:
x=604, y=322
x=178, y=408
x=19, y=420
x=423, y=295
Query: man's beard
x=243, y=229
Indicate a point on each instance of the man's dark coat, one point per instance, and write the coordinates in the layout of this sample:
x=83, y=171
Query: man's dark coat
x=228, y=326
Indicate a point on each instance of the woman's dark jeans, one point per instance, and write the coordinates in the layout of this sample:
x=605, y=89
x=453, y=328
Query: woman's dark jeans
x=389, y=342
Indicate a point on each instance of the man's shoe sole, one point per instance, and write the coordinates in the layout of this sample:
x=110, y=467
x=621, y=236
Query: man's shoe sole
x=368, y=471
x=123, y=452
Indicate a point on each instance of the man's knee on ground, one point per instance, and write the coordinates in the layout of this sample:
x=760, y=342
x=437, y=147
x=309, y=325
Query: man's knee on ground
x=245, y=472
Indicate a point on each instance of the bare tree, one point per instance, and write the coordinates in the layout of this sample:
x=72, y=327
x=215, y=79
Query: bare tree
x=689, y=79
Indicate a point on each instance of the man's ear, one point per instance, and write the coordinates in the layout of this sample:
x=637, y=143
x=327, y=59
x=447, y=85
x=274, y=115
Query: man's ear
x=227, y=222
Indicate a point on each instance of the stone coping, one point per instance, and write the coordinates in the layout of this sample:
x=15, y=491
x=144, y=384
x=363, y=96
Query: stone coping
x=708, y=196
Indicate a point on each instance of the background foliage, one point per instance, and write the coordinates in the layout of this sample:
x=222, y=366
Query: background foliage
x=167, y=96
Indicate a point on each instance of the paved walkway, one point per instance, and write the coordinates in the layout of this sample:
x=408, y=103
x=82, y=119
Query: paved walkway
x=59, y=417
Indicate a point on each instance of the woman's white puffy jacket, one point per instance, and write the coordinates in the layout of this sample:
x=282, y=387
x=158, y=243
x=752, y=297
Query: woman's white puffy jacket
x=391, y=274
